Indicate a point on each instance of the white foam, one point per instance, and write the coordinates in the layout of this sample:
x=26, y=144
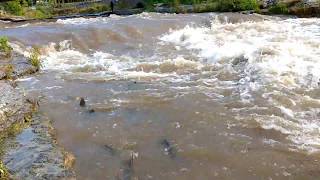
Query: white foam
x=86, y=21
x=281, y=54
x=285, y=52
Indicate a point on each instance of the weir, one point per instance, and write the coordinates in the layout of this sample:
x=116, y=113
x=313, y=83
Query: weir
x=167, y=96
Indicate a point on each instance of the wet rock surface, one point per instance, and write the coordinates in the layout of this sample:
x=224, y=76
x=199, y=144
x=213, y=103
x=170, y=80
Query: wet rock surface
x=16, y=66
x=13, y=106
x=34, y=154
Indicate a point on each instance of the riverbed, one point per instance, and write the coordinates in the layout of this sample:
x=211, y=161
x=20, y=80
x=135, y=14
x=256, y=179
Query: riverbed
x=180, y=96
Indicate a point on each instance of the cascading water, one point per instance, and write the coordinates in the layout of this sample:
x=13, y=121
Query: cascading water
x=195, y=96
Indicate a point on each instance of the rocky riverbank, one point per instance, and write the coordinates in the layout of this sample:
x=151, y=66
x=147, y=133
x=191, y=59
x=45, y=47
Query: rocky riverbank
x=35, y=157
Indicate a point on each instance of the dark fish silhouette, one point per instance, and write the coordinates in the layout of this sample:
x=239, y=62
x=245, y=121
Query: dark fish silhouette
x=82, y=102
x=110, y=149
x=126, y=170
x=168, y=148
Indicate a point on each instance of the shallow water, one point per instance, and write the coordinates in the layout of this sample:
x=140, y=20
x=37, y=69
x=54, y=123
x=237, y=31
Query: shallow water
x=197, y=96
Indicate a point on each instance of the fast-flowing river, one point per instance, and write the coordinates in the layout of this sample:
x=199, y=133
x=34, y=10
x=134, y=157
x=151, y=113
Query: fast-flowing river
x=181, y=97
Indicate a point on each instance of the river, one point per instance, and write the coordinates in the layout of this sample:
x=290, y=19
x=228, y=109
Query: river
x=180, y=96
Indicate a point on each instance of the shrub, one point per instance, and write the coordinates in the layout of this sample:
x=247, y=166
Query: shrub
x=225, y=5
x=14, y=7
x=34, y=57
x=248, y=5
x=5, y=47
x=279, y=8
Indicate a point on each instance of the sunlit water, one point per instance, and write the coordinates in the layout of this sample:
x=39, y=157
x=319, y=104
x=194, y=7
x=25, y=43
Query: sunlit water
x=202, y=96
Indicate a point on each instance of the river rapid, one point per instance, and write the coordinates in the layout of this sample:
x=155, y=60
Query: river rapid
x=180, y=96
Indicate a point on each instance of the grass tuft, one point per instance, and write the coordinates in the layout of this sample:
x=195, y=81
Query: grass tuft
x=5, y=47
x=34, y=57
x=8, y=70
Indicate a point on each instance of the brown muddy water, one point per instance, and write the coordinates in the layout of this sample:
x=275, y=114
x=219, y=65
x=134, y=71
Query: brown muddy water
x=181, y=97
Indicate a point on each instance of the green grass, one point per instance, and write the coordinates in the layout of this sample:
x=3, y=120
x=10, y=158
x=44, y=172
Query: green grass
x=34, y=57
x=5, y=47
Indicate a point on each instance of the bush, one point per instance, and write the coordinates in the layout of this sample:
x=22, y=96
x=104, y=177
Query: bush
x=34, y=57
x=225, y=5
x=14, y=7
x=5, y=47
x=205, y=7
x=279, y=8
x=248, y=5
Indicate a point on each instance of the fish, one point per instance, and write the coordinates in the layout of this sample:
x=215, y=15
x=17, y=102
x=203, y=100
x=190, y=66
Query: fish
x=168, y=148
x=82, y=102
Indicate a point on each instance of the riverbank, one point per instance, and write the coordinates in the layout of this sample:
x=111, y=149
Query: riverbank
x=19, y=160
x=299, y=8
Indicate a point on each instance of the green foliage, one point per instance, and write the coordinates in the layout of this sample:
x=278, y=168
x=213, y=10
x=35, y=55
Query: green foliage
x=122, y=5
x=5, y=47
x=206, y=7
x=96, y=8
x=4, y=175
x=248, y=4
x=210, y=5
x=34, y=57
x=14, y=7
x=40, y=12
x=237, y=5
x=279, y=8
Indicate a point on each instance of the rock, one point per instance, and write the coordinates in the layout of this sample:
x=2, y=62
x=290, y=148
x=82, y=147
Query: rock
x=2, y=74
x=13, y=106
x=91, y=111
x=19, y=64
x=34, y=154
x=239, y=61
x=301, y=8
x=22, y=66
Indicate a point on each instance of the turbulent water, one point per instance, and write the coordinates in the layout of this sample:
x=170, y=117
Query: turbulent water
x=197, y=96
